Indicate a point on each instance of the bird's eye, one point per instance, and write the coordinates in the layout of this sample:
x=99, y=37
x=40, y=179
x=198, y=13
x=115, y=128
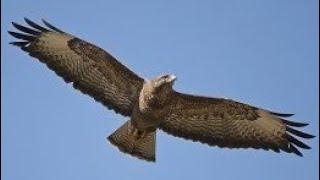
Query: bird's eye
x=166, y=76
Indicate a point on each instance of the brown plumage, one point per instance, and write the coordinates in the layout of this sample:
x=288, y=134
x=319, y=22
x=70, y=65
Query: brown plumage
x=90, y=69
x=153, y=104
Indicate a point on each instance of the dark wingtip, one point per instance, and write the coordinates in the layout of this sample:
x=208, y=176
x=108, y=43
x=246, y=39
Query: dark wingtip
x=282, y=114
x=297, y=142
x=27, y=20
x=21, y=36
x=51, y=26
x=25, y=29
x=295, y=124
x=299, y=133
x=19, y=44
x=10, y=32
x=295, y=150
x=14, y=24
x=34, y=25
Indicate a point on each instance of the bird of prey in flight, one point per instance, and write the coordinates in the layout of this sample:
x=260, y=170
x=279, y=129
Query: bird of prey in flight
x=151, y=104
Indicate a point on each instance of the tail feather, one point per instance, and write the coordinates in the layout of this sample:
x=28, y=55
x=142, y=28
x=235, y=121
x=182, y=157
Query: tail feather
x=142, y=148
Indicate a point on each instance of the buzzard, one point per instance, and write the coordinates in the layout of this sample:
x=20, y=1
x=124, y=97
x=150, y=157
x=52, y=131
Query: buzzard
x=153, y=104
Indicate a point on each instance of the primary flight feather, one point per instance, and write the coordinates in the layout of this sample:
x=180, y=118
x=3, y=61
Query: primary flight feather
x=153, y=104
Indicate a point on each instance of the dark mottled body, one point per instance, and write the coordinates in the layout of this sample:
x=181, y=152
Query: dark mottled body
x=153, y=104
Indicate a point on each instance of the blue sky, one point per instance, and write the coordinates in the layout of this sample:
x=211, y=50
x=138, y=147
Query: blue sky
x=263, y=53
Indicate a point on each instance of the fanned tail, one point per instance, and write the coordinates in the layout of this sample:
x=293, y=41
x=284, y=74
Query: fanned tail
x=125, y=141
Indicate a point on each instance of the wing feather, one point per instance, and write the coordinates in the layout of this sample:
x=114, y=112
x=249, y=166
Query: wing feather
x=227, y=123
x=89, y=68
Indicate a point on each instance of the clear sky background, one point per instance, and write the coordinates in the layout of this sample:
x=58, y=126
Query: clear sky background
x=263, y=53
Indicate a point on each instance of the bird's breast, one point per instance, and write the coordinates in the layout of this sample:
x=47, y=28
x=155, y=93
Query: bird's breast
x=147, y=117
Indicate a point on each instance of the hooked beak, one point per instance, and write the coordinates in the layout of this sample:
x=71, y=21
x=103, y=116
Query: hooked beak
x=172, y=78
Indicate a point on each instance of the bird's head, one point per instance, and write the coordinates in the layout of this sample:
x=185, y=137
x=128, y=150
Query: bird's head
x=163, y=81
x=160, y=86
x=156, y=92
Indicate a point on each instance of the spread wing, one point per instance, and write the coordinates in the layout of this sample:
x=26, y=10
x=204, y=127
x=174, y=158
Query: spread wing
x=89, y=68
x=226, y=123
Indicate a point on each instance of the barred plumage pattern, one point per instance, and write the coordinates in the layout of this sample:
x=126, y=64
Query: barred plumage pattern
x=214, y=121
x=89, y=68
